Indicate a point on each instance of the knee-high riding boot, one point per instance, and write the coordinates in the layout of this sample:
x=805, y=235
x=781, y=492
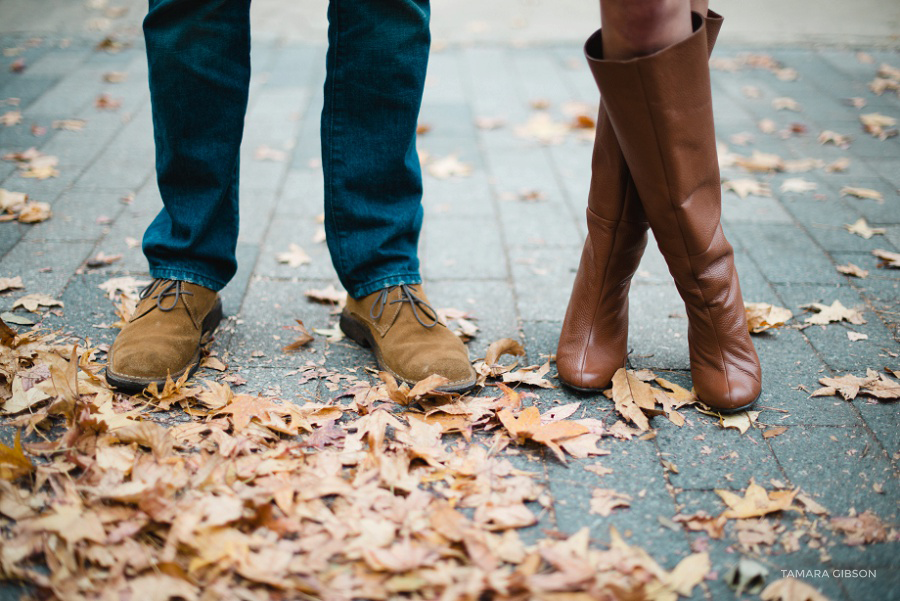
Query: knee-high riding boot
x=594, y=337
x=660, y=108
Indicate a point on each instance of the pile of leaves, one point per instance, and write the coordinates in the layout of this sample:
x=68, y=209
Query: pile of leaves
x=196, y=492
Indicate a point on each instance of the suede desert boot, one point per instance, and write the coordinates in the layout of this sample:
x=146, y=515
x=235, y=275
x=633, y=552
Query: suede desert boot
x=660, y=107
x=593, y=342
x=164, y=336
x=407, y=338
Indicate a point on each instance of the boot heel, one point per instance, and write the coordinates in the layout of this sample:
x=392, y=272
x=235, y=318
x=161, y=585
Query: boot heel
x=355, y=331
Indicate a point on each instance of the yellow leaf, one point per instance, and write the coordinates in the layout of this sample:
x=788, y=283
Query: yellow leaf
x=13, y=462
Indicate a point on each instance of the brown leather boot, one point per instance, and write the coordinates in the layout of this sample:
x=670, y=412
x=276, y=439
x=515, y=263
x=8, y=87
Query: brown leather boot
x=407, y=338
x=164, y=336
x=593, y=342
x=660, y=107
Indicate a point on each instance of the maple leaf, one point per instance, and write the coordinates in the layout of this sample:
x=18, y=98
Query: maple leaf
x=449, y=166
x=763, y=316
x=847, y=386
x=802, y=165
x=689, y=572
x=714, y=526
x=294, y=257
x=835, y=312
x=243, y=408
x=13, y=283
x=791, y=589
x=889, y=259
x=13, y=462
x=71, y=523
x=761, y=162
x=878, y=125
x=748, y=187
x=853, y=270
x=861, y=228
x=863, y=529
x=12, y=202
x=756, y=502
x=532, y=376
x=604, y=500
x=329, y=295
x=32, y=302
x=541, y=127
x=34, y=212
x=798, y=184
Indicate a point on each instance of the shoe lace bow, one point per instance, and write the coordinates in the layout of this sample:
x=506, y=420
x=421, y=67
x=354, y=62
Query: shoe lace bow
x=407, y=295
x=173, y=289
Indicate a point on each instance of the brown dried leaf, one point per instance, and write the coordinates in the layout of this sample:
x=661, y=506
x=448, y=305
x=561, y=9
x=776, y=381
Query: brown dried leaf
x=756, y=502
x=889, y=259
x=791, y=589
x=836, y=312
x=13, y=462
x=854, y=270
x=763, y=316
x=604, y=500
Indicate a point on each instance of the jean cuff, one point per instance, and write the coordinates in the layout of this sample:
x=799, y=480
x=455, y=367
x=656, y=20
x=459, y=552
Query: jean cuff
x=174, y=273
x=369, y=287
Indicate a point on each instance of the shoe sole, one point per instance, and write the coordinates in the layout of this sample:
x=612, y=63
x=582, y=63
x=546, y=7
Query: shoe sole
x=357, y=331
x=131, y=385
x=599, y=390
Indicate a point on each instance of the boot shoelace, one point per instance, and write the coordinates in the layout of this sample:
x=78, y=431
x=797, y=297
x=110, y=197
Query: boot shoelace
x=167, y=288
x=407, y=295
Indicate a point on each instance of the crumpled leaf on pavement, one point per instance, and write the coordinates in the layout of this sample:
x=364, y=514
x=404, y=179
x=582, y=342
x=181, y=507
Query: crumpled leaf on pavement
x=447, y=167
x=861, y=228
x=888, y=259
x=863, y=529
x=833, y=313
x=791, y=589
x=756, y=501
x=295, y=256
x=33, y=302
x=303, y=337
x=527, y=426
x=748, y=187
x=875, y=384
x=763, y=316
x=880, y=126
x=13, y=283
x=862, y=193
x=532, y=375
x=604, y=500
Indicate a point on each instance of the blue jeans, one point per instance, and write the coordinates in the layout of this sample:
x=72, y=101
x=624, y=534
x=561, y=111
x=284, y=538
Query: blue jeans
x=198, y=53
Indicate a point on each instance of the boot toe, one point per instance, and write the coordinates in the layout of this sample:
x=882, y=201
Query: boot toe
x=731, y=395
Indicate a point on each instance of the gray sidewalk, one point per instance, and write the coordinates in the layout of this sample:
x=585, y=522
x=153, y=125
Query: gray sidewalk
x=502, y=243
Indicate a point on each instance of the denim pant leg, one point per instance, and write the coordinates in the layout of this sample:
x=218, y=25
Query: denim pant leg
x=198, y=53
x=376, y=62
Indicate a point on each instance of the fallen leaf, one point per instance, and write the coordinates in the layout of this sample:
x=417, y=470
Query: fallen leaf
x=835, y=312
x=854, y=270
x=490, y=122
x=10, y=118
x=761, y=162
x=832, y=137
x=69, y=124
x=449, y=166
x=785, y=103
x=604, y=500
x=303, y=337
x=856, y=336
x=763, y=316
x=541, y=127
x=107, y=103
x=773, y=432
x=35, y=212
x=631, y=397
x=888, y=258
x=13, y=283
x=266, y=153
x=294, y=257
x=756, y=502
x=748, y=187
x=862, y=193
x=31, y=302
x=797, y=184
x=878, y=125
x=504, y=346
x=863, y=529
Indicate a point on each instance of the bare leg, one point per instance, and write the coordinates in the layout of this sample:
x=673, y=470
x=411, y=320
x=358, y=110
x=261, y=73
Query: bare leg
x=634, y=28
